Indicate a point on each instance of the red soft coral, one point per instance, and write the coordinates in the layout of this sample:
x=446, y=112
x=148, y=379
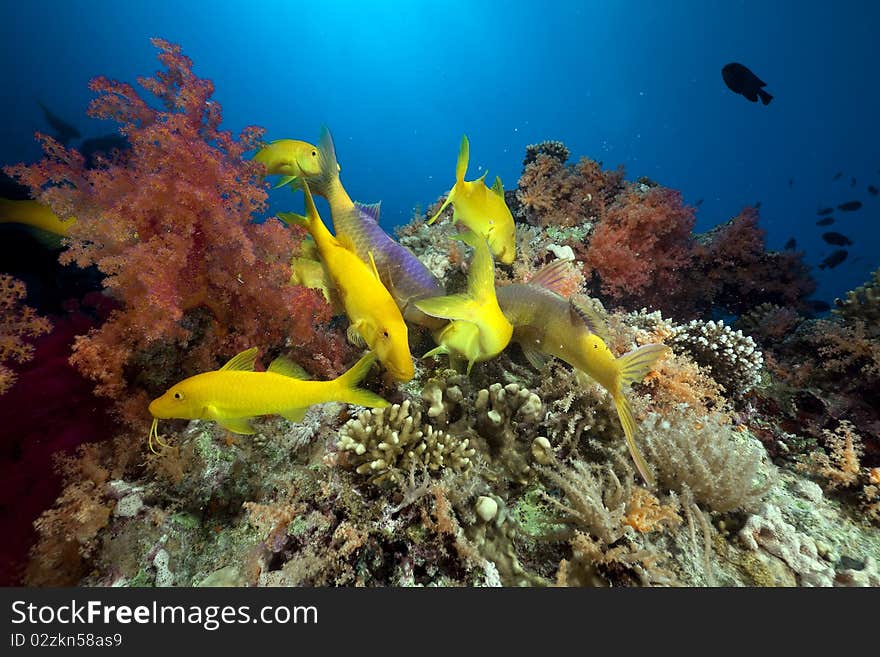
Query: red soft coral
x=169, y=224
x=641, y=247
x=17, y=322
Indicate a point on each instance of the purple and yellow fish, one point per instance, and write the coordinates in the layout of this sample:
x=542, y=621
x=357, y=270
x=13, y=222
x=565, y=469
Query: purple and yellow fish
x=401, y=272
x=546, y=323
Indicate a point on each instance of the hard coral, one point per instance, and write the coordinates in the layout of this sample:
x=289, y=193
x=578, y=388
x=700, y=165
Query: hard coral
x=169, y=224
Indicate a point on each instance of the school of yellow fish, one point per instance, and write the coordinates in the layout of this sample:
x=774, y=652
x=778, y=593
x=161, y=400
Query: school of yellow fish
x=380, y=286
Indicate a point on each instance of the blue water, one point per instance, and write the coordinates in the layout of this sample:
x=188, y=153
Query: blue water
x=636, y=83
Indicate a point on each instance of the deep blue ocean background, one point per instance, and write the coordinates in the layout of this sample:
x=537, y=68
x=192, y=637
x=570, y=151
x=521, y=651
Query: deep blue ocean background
x=636, y=83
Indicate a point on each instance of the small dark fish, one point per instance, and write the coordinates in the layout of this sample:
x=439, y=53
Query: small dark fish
x=837, y=239
x=852, y=182
x=873, y=190
x=791, y=244
x=817, y=306
x=837, y=175
x=64, y=132
x=834, y=259
x=827, y=221
x=94, y=146
x=740, y=80
x=825, y=211
x=791, y=182
x=758, y=205
x=698, y=203
x=849, y=206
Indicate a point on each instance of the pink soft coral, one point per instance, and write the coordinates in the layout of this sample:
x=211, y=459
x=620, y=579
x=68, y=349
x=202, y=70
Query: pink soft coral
x=169, y=224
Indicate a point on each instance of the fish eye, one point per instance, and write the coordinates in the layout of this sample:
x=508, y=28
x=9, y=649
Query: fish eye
x=314, y=153
x=385, y=334
x=178, y=395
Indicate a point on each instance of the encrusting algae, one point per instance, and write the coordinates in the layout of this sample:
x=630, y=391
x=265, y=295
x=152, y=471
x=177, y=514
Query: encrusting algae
x=508, y=468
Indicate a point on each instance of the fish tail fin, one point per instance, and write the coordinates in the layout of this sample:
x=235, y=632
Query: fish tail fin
x=348, y=385
x=327, y=159
x=765, y=97
x=624, y=412
x=481, y=275
x=633, y=366
x=464, y=153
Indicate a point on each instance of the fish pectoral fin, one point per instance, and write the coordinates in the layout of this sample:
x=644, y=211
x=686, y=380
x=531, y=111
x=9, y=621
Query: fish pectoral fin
x=243, y=362
x=581, y=309
x=374, y=267
x=537, y=359
x=236, y=424
x=454, y=306
x=294, y=414
x=439, y=350
x=354, y=335
x=284, y=180
x=498, y=188
x=292, y=218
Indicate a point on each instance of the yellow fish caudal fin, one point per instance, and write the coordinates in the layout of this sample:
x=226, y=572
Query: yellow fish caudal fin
x=292, y=159
x=235, y=394
x=478, y=330
x=481, y=209
x=632, y=368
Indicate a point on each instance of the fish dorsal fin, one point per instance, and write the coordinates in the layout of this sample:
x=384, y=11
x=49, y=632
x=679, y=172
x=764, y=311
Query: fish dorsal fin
x=498, y=188
x=482, y=178
x=553, y=276
x=464, y=153
x=286, y=367
x=369, y=209
x=243, y=362
x=285, y=180
x=583, y=311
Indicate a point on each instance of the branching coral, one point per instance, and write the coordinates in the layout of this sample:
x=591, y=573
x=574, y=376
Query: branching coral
x=169, y=224
x=733, y=359
x=387, y=443
x=862, y=303
x=17, y=323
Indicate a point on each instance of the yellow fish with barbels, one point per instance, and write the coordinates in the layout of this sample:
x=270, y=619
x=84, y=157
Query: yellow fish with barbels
x=235, y=394
x=481, y=209
x=547, y=323
x=373, y=314
x=292, y=159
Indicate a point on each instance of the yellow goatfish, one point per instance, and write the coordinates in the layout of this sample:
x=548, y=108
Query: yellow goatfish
x=478, y=330
x=292, y=159
x=234, y=394
x=545, y=322
x=374, y=316
x=481, y=209
x=46, y=225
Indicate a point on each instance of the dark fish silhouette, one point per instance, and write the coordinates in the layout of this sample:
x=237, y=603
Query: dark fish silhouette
x=827, y=221
x=873, y=190
x=94, y=146
x=64, y=132
x=837, y=175
x=741, y=80
x=818, y=306
x=834, y=259
x=791, y=182
x=698, y=203
x=852, y=182
x=758, y=205
x=849, y=206
x=791, y=244
x=837, y=239
x=825, y=211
